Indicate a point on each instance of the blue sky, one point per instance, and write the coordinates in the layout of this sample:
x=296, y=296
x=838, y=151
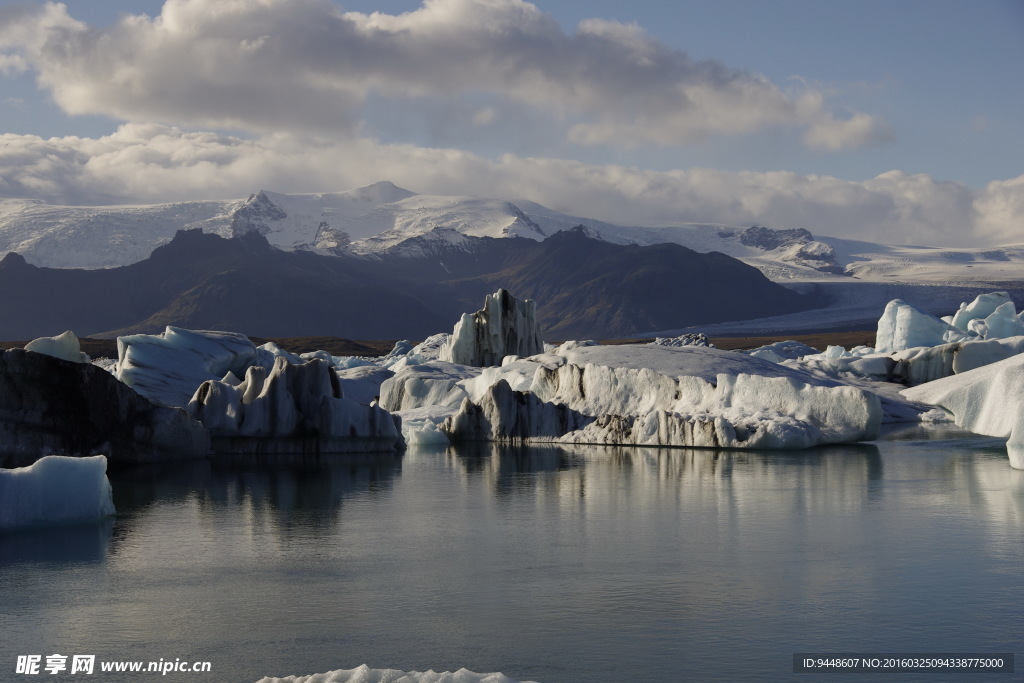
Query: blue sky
x=909, y=108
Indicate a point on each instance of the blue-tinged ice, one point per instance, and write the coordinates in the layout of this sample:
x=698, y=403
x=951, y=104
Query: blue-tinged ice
x=168, y=368
x=55, y=490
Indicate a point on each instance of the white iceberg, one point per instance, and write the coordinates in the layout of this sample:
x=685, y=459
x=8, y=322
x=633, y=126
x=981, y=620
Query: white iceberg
x=168, y=368
x=55, y=490
x=504, y=326
x=982, y=307
x=783, y=350
x=64, y=345
x=293, y=402
x=362, y=383
x=435, y=383
x=987, y=400
x=1003, y=322
x=903, y=326
x=668, y=396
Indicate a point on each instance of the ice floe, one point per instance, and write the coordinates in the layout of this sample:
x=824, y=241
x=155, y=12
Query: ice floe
x=55, y=490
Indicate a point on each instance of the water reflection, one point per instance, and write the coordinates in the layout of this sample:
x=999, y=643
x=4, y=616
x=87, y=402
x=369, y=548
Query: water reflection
x=77, y=543
x=279, y=495
x=550, y=563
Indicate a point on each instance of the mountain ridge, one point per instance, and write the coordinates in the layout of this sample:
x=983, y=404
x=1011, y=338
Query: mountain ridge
x=584, y=288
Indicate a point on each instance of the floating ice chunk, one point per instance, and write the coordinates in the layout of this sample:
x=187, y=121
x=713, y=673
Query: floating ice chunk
x=55, y=490
x=902, y=326
x=404, y=354
x=783, y=350
x=50, y=405
x=987, y=400
x=656, y=395
x=64, y=345
x=698, y=339
x=168, y=368
x=927, y=364
x=1003, y=322
x=504, y=326
x=364, y=674
x=294, y=402
x=362, y=383
x=517, y=372
x=982, y=307
x=436, y=383
x=425, y=434
x=430, y=348
x=268, y=353
x=420, y=425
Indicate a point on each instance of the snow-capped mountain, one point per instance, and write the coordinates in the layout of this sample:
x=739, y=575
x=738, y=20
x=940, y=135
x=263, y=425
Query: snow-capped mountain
x=382, y=218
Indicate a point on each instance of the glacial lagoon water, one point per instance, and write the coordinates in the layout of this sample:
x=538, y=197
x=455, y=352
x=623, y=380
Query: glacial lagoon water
x=547, y=564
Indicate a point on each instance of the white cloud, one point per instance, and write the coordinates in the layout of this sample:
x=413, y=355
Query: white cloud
x=304, y=66
x=147, y=163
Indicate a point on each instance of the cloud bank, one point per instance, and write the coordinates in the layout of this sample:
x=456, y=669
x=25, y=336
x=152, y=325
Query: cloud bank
x=304, y=84
x=150, y=163
x=304, y=66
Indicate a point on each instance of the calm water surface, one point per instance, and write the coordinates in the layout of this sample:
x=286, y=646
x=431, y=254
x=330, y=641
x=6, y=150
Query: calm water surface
x=548, y=564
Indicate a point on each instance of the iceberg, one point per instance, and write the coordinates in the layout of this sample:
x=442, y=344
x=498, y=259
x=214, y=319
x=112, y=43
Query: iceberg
x=1003, y=322
x=362, y=383
x=167, y=368
x=55, y=490
x=435, y=383
x=698, y=339
x=52, y=406
x=64, y=346
x=504, y=326
x=271, y=411
x=903, y=326
x=668, y=396
x=982, y=307
x=364, y=674
x=987, y=400
x=783, y=350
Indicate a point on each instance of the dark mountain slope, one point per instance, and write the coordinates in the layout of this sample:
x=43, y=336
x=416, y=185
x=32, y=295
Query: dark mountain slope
x=583, y=287
x=206, y=282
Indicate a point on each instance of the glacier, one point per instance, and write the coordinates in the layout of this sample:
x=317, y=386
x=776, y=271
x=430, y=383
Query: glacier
x=55, y=490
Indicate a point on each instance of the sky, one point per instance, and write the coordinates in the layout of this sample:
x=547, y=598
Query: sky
x=893, y=121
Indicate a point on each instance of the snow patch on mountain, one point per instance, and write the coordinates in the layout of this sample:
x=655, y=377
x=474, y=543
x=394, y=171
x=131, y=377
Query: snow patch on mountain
x=385, y=218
